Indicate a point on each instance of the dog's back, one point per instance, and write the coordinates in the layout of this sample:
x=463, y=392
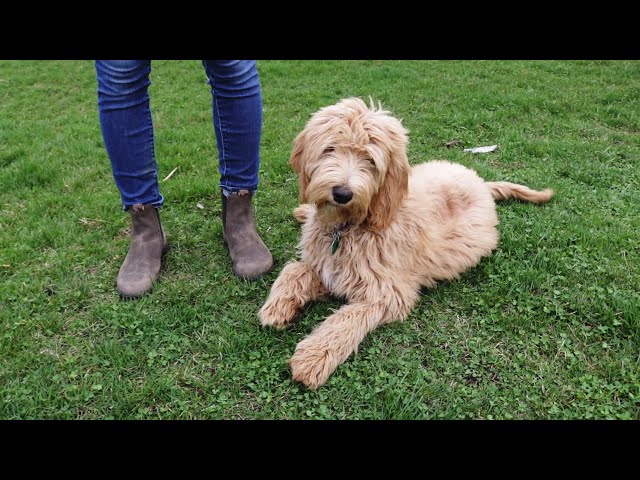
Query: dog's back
x=458, y=210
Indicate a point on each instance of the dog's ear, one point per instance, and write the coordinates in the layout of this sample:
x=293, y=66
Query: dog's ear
x=297, y=163
x=395, y=184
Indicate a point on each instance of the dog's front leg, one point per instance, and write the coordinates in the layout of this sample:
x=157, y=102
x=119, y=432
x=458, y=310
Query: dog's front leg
x=296, y=285
x=331, y=343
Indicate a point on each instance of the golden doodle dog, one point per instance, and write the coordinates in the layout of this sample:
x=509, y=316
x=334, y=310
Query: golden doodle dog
x=375, y=230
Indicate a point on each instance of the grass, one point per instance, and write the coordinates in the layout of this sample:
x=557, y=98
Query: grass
x=546, y=328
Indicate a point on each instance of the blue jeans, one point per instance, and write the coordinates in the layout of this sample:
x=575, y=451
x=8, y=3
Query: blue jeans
x=127, y=127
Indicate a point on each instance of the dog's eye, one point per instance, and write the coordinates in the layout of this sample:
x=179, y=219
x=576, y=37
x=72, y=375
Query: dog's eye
x=367, y=165
x=328, y=150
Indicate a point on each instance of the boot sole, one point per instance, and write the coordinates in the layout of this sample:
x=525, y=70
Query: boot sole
x=253, y=279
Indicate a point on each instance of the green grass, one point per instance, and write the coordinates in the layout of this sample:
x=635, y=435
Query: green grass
x=546, y=328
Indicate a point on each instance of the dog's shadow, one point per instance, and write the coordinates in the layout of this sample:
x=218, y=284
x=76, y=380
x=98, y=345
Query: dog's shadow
x=315, y=312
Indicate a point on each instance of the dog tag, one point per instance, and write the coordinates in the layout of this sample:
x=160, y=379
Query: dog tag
x=336, y=241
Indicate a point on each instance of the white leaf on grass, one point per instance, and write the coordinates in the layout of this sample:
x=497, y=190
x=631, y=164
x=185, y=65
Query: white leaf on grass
x=487, y=149
x=200, y=206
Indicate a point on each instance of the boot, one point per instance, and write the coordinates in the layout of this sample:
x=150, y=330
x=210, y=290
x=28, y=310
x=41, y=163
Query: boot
x=250, y=256
x=148, y=243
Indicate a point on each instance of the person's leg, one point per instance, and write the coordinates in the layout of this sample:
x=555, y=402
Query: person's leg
x=237, y=119
x=127, y=131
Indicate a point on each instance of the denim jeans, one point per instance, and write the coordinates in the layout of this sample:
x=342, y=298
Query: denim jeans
x=127, y=126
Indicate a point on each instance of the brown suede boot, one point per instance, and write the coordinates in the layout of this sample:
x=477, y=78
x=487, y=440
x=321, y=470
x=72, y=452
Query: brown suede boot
x=250, y=256
x=142, y=264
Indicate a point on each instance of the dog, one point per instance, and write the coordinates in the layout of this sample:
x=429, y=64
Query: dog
x=375, y=230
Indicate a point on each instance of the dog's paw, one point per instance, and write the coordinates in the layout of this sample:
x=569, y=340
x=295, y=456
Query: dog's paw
x=311, y=364
x=303, y=212
x=277, y=313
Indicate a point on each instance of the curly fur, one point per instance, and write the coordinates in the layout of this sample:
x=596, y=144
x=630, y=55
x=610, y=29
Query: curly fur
x=404, y=228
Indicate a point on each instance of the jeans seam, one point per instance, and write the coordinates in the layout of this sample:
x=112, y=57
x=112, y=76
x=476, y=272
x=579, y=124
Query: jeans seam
x=156, y=186
x=223, y=153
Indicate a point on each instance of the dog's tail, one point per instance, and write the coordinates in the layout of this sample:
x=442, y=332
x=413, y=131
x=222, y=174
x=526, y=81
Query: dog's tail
x=505, y=190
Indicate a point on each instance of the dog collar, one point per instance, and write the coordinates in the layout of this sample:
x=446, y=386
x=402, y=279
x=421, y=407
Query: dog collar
x=338, y=231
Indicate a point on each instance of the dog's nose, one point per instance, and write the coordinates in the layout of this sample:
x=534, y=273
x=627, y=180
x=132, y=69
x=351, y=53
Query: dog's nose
x=342, y=195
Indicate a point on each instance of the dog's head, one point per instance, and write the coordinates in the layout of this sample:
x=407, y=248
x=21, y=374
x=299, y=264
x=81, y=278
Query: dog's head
x=352, y=163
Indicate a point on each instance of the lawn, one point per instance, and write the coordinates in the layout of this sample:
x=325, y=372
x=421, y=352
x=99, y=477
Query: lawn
x=546, y=328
